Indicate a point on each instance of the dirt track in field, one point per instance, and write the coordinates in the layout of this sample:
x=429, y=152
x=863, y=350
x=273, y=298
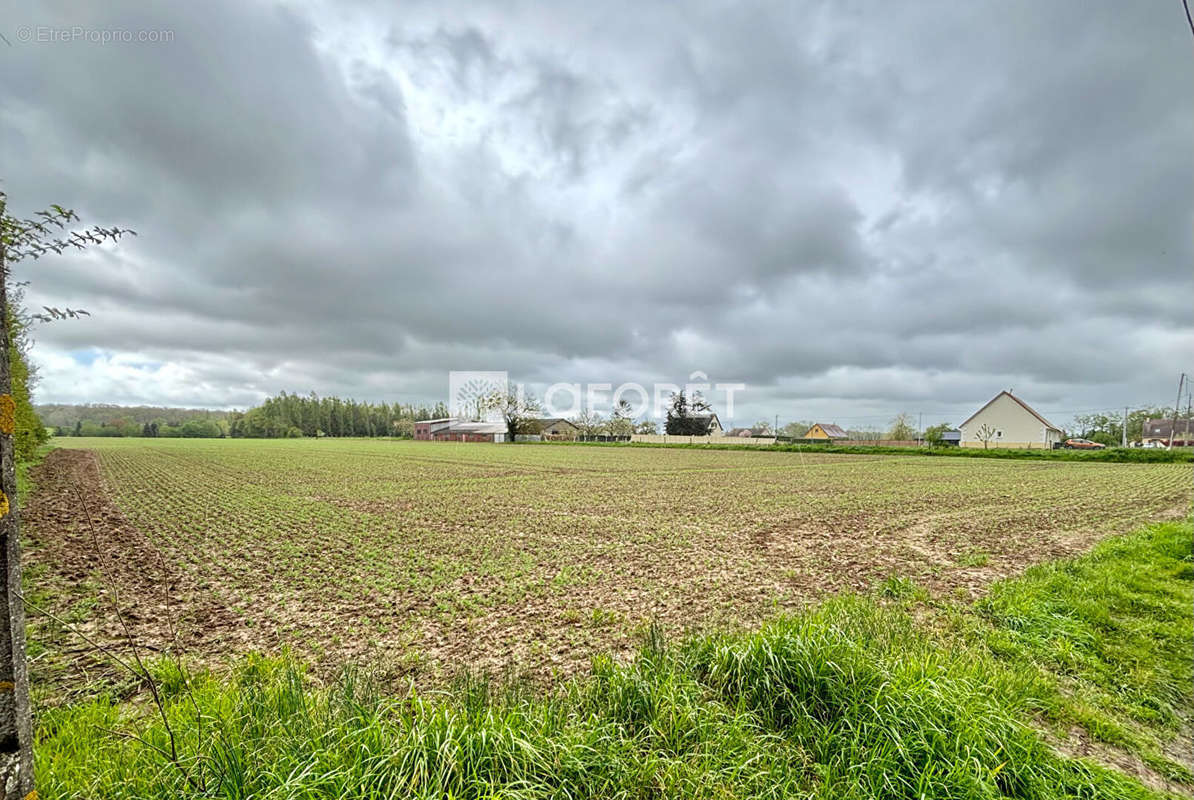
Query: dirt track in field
x=138, y=603
x=583, y=580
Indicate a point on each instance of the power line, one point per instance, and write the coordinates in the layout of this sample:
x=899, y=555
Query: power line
x=1186, y=6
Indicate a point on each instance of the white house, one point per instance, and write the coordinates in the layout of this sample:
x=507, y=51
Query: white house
x=1007, y=421
x=711, y=424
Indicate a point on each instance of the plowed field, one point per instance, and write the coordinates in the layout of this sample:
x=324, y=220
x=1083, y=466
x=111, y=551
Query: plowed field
x=424, y=558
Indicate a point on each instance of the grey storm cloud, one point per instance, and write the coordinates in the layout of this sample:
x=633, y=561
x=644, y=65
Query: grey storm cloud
x=849, y=208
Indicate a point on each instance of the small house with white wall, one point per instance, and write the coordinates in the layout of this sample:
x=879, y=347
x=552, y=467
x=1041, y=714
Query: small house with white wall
x=1007, y=421
x=1162, y=432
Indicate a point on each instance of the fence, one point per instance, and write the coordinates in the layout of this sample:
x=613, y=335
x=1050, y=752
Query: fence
x=878, y=442
x=765, y=441
x=663, y=438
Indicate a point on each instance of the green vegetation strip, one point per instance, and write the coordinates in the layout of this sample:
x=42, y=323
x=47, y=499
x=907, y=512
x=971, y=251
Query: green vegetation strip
x=1119, y=455
x=890, y=696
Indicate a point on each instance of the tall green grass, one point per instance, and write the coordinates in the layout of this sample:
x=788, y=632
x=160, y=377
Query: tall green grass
x=1114, y=630
x=858, y=698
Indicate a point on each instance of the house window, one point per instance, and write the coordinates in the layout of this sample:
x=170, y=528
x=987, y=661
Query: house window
x=998, y=434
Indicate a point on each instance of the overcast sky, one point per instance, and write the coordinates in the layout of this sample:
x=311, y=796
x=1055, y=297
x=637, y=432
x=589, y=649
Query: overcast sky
x=852, y=208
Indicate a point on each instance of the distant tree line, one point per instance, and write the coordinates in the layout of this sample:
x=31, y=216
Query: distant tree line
x=294, y=416
x=284, y=416
x=619, y=423
x=103, y=419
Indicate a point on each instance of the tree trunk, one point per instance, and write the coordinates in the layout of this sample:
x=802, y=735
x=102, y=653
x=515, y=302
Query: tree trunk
x=16, y=730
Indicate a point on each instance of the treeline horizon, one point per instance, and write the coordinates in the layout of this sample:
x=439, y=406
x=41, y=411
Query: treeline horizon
x=290, y=415
x=112, y=419
x=287, y=415
x=294, y=416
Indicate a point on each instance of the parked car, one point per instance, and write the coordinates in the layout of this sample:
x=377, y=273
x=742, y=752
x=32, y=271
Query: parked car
x=1081, y=444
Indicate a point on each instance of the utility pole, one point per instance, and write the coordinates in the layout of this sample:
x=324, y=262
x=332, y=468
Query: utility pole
x=1189, y=417
x=1123, y=438
x=920, y=427
x=1173, y=424
x=775, y=430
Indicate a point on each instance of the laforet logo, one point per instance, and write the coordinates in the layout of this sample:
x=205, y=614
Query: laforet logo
x=470, y=393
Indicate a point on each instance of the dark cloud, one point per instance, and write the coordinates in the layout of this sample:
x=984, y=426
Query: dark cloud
x=852, y=212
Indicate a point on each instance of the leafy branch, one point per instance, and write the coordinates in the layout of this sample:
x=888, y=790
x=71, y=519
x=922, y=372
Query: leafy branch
x=50, y=231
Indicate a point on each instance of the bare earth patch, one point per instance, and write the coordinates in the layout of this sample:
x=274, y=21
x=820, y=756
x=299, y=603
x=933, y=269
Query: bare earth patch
x=85, y=552
x=1080, y=744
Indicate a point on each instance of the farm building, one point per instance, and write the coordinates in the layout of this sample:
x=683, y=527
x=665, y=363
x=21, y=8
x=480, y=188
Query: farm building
x=1007, y=421
x=825, y=431
x=1158, y=432
x=556, y=428
x=425, y=428
x=470, y=432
